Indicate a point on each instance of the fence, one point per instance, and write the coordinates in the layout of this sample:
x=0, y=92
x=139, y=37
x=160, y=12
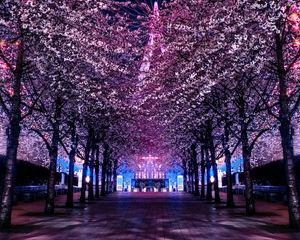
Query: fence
x=31, y=193
x=269, y=193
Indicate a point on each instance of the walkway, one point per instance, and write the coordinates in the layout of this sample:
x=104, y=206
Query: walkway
x=149, y=216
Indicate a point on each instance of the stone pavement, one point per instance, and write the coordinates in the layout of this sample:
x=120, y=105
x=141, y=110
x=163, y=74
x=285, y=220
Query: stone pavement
x=149, y=216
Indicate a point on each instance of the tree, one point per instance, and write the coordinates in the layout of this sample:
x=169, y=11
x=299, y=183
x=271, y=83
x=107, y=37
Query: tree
x=72, y=155
x=15, y=96
x=285, y=53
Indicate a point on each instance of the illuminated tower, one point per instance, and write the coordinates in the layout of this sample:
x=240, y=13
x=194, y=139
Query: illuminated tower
x=154, y=37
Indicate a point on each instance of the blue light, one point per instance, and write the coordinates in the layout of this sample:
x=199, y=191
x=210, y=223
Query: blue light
x=236, y=165
x=127, y=174
x=63, y=165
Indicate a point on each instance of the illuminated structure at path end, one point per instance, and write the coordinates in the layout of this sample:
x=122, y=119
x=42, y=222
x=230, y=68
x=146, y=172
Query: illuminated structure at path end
x=149, y=175
x=154, y=37
x=149, y=169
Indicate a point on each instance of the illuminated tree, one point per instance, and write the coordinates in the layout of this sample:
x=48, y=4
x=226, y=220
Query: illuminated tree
x=286, y=54
x=16, y=95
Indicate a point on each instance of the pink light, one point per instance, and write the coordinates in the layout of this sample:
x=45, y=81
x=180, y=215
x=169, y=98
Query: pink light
x=2, y=43
x=10, y=92
x=296, y=65
x=150, y=158
x=294, y=17
x=156, y=9
x=297, y=42
x=4, y=66
x=296, y=28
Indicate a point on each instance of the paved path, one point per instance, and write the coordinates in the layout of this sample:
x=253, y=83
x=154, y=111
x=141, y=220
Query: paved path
x=149, y=216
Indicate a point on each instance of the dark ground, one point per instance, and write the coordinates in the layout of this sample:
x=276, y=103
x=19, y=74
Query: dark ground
x=149, y=216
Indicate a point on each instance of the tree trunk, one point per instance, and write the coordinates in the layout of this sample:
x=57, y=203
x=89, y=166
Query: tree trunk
x=115, y=181
x=191, y=177
x=91, y=183
x=97, y=166
x=104, y=169
x=193, y=182
x=83, y=185
x=208, y=183
x=8, y=188
x=107, y=182
x=53, y=153
x=286, y=133
x=213, y=162
x=215, y=172
x=13, y=133
x=108, y=177
x=250, y=205
x=230, y=201
x=202, y=172
x=72, y=155
x=185, y=188
x=288, y=158
x=85, y=166
x=196, y=169
x=115, y=175
x=103, y=179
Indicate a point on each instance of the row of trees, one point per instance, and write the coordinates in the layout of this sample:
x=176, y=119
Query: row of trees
x=64, y=72
x=229, y=74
